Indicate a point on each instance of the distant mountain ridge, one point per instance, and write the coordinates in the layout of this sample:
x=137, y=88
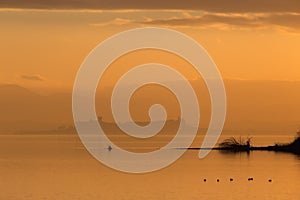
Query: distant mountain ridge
x=22, y=109
x=253, y=106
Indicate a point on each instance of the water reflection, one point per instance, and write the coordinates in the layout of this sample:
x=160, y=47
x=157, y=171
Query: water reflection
x=52, y=167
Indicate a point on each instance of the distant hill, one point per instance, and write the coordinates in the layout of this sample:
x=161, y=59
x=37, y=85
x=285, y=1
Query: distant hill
x=253, y=107
x=22, y=109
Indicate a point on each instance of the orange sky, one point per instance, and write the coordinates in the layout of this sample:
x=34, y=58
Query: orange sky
x=44, y=48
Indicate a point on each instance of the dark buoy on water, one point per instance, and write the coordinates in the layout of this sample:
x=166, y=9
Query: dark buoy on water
x=270, y=180
x=204, y=180
x=231, y=179
x=250, y=179
x=218, y=180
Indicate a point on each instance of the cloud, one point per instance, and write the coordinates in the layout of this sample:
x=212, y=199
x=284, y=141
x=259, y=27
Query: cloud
x=283, y=21
x=206, y=20
x=280, y=21
x=32, y=77
x=289, y=20
x=117, y=21
x=207, y=5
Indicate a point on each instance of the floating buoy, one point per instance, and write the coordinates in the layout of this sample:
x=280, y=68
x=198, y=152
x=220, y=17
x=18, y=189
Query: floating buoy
x=270, y=180
x=231, y=179
x=204, y=180
x=218, y=180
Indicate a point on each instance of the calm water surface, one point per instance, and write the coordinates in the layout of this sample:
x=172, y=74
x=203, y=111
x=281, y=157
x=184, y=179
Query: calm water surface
x=58, y=167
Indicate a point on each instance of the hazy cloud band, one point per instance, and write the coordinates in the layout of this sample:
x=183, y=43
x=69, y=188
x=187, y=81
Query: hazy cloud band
x=32, y=77
x=283, y=21
x=287, y=20
x=208, y=5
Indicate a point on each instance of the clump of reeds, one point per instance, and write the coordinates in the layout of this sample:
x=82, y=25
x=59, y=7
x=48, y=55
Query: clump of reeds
x=233, y=143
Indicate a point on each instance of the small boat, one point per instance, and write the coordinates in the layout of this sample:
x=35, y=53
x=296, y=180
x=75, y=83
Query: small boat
x=109, y=148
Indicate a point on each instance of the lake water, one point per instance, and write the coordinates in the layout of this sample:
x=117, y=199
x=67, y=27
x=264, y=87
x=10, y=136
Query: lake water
x=58, y=167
